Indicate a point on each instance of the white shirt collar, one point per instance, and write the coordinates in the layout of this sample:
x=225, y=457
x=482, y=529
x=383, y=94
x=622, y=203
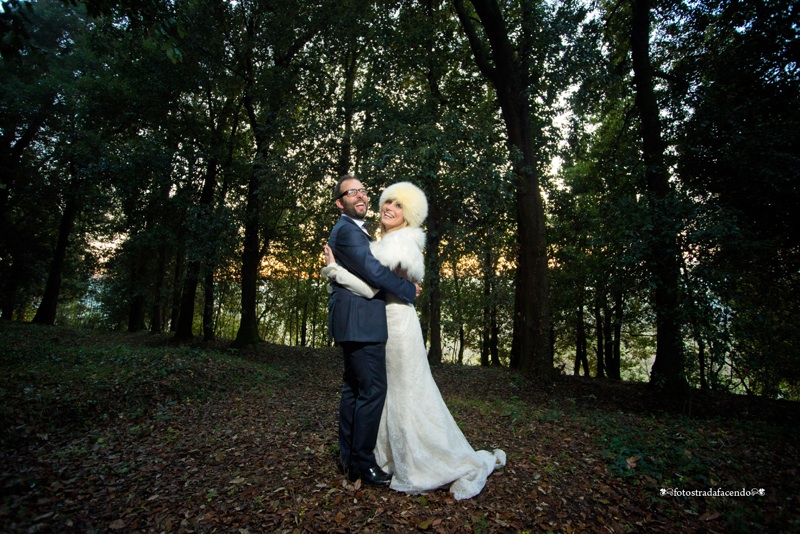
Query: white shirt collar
x=359, y=222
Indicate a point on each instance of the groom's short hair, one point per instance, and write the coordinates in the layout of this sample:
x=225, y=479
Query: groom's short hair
x=338, y=186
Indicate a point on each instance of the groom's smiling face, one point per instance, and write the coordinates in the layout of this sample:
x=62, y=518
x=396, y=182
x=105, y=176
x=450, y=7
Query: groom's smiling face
x=355, y=206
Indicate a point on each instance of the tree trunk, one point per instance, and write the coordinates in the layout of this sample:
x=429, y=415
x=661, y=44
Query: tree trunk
x=581, y=356
x=432, y=282
x=612, y=366
x=462, y=344
x=314, y=308
x=530, y=348
x=11, y=291
x=459, y=317
x=701, y=363
x=11, y=157
x=251, y=261
x=294, y=324
x=490, y=354
x=208, y=308
x=424, y=312
x=667, y=371
x=598, y=322
x=157, y=315
x=177, y=284
x=46, y=314
x=435, y=224
x=616, y=332
x=137, y=310
x=12, y=152
x=184, y=330
x=304, y=323
x=276, y=101
x=494, y=347
x=486, y=330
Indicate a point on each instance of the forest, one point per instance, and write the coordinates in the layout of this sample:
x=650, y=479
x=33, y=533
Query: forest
x=612, y=184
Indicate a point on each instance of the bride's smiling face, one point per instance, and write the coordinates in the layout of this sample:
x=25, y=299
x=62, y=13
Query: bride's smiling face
x=392, y=216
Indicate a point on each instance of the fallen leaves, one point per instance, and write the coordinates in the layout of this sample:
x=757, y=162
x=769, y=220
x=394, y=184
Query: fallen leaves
x=264, y=461
x=632, y=461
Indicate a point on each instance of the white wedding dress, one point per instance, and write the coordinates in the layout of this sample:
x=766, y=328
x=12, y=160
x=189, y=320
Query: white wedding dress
x=419, y=442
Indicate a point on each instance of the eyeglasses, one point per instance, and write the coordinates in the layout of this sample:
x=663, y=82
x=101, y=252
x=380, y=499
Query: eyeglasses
x=354, y=192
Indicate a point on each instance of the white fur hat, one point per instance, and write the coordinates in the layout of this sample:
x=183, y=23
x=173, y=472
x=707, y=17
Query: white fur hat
x=411, y=198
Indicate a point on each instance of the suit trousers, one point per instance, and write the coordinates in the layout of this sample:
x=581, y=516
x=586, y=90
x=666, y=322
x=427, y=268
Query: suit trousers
x=361, y=403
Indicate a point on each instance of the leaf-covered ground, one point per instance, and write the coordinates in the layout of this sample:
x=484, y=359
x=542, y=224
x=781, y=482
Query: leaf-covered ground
x=131, y=433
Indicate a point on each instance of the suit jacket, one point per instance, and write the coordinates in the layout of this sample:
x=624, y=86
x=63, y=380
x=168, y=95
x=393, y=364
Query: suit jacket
x=352, y=317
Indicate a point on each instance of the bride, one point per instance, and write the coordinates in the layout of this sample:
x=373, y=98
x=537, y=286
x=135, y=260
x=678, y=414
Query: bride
x=419, y=442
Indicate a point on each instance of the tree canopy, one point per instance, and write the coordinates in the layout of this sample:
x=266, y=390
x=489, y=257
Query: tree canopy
x=612, y=186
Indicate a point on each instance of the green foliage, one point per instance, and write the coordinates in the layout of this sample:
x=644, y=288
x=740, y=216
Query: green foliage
x=467, y=299
x=34, y=185
x=738, y=158
x=730, y=153
x=667, y=454
x=133, y=111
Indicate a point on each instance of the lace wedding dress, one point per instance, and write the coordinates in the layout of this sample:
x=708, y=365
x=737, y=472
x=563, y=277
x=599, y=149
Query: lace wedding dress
x=419, y=442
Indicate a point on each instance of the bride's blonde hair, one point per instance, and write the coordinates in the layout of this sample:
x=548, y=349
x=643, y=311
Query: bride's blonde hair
x=411, y=198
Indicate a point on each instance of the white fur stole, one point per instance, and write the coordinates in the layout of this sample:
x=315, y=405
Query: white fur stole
x=402, y=248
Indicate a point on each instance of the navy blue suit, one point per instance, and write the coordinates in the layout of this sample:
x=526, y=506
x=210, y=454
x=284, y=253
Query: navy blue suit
x=358, y=325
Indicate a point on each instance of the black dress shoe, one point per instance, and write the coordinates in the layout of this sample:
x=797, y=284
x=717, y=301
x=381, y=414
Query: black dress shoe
x=374, y=476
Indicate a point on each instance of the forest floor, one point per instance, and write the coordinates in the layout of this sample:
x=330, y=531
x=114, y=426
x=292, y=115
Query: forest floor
x=133, y=433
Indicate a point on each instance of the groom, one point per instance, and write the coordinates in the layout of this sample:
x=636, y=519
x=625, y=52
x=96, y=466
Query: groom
x=358, y=325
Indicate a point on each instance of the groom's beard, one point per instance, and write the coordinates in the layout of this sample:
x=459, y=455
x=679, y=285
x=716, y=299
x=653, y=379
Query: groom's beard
x=356, y=213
